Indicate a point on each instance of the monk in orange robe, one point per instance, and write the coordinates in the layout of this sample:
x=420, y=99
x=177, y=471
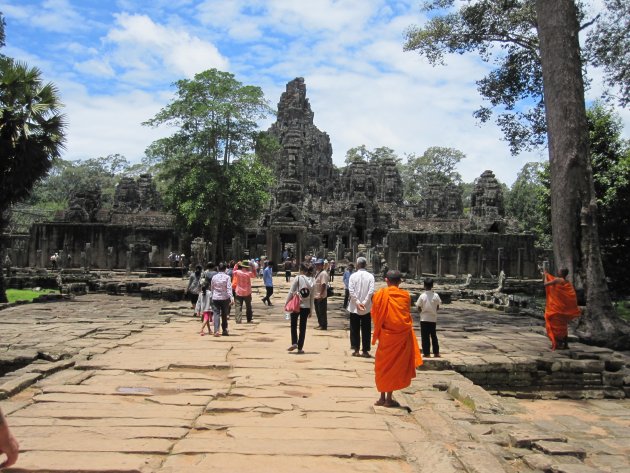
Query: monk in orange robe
x=398, y=353
x=560, y=309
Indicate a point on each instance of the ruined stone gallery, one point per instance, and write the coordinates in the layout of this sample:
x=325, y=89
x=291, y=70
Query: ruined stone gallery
x=315, y=208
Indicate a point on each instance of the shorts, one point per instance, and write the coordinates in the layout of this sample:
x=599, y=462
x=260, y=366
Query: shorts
x=207, y=316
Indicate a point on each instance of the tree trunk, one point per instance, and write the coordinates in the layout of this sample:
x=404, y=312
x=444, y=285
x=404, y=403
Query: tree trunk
x=573, y=202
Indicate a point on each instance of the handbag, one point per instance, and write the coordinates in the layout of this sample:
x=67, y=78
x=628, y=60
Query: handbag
x=293, y=306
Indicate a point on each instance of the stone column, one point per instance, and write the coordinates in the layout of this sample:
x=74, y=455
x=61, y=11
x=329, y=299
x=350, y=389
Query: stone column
x=61, y=260
x=110, y=257
x=129, y=258
x=438, y=260
x=520, y=262
x=499, y=260
x=480, y=260
x=38, y=259
x=458, y=260
x=88, y=256
x=83, y=261
x=420, y=249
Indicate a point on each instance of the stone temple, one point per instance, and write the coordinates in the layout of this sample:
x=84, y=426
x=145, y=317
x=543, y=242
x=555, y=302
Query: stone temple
x=317, y=209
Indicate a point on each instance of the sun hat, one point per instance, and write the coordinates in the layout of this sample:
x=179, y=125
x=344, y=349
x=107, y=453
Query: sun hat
x=319, y=261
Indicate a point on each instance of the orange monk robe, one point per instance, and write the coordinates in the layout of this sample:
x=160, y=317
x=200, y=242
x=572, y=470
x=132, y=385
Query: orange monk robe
x=398, y=354
x=560, y=309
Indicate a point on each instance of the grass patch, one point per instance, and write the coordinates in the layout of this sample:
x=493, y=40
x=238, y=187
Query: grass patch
x=26, y=294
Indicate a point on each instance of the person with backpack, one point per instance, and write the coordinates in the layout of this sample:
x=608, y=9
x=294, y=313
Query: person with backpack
x=303, y=285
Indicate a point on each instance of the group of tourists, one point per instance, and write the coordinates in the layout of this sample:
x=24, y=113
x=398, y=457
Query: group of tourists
x=214, y=291
x=382, y=317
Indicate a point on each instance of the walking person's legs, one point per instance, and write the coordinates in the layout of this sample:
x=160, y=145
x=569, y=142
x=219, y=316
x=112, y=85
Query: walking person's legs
x=248, y=308
x=239, y=308
x=434, y=339
x=303, y=319
x=426, y=338
x=294, y=331
x=355, y=327
x=346, y=298
x=366, y=333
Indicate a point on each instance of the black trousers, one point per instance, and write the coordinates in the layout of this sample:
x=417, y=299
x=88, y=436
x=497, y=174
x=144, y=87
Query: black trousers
x=428, y=333
x=222, y=308
x=269, y=294
x=360, y=332
x=321, y=309
x=332, y=275
x=303, y=317
x=346, y=298
x=287, y=275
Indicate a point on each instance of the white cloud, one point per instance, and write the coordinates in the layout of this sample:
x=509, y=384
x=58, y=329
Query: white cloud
x=51, y=15
x=145, y=50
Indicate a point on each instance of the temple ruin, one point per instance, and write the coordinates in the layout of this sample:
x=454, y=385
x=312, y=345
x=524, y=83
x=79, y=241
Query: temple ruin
x=316, y=209
x=132, y=235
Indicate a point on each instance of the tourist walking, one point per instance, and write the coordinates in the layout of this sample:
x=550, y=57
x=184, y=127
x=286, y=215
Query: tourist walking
x=287, y=269
x=204, y=309
x=361, y=289
x=303, y=285
x=346, y=280
x=560, y=309
x=268, y=282
x=428, y=305
x=242, y=283
x=222, y=299
x=397, y=354
x=194, y=286
x=321, y=295
x=333, y=267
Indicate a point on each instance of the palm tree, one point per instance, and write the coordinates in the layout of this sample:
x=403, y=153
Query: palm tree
x=31, y=133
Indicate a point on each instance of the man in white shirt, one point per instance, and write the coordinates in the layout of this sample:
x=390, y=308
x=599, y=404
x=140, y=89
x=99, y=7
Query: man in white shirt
x=361, y=289
x=428, y=305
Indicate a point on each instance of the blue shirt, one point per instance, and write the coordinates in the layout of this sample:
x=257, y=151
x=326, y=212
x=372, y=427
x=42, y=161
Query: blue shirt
x=268, y=276
x=346, y=278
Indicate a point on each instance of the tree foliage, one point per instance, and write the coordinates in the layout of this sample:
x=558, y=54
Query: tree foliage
x=505, y=33
x=608, y=46
x=207, y=175
x=67, y=178
x=610, y=159
x=528, y=202
x=437, y=165
x=377, y=155
x=32, y=131
x=514, y=87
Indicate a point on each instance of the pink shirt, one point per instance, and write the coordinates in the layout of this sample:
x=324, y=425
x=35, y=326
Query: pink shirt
x=243, y=281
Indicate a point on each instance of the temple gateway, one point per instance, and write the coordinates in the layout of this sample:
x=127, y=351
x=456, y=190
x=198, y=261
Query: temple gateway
x=315, y=209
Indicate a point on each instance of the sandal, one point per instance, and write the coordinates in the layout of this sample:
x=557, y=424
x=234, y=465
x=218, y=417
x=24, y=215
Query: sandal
x=355, y=353
x=392, y=403
x=366, y=354
x=380, y=402
x=217, y=334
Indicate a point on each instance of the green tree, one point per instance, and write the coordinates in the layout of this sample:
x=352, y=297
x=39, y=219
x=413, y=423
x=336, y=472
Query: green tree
x=216, y=120
x=514, y=87
x=574, y=215
x=527, y=202
x=377, y=155
x=31, y=132
x=436, y=165
x=67, y=178
x=610, y=159
x=608, y=46
x=536, y=49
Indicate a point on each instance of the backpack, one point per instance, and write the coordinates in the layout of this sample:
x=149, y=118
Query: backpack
x=304, y=292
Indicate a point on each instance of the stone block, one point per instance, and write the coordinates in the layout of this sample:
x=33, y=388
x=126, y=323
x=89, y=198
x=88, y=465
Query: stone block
x=525, y=439
x=14, y=385
x=559, y=448
x=613, y=379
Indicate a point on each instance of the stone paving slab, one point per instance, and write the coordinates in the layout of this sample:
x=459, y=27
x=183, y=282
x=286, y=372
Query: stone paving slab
x=175, y=401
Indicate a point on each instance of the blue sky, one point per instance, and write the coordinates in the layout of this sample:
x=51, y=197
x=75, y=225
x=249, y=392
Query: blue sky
x=114, y=63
